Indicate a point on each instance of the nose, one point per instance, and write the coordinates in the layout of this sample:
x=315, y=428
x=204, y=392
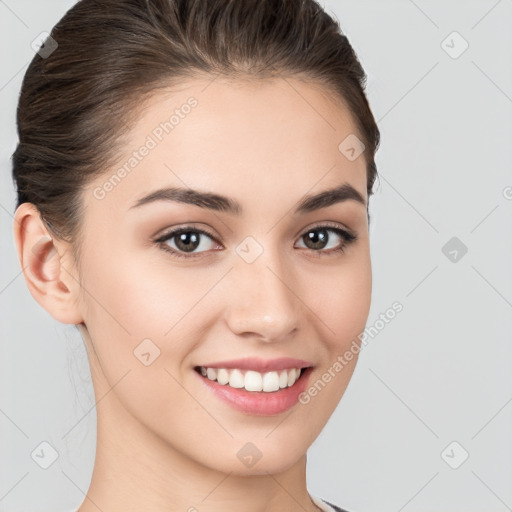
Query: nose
x=261, y=301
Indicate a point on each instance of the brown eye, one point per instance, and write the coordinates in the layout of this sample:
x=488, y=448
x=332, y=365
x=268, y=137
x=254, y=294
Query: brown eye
x=186, y=241
x=317, y=239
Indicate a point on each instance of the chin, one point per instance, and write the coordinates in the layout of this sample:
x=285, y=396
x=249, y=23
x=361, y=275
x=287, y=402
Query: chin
x=258, y=458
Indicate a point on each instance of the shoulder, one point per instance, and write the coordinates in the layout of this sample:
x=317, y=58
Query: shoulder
x=325, y=505
x=334, y=507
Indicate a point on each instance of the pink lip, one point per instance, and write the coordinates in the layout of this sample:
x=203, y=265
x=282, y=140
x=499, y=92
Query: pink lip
x=261, y=365
x=259, y=403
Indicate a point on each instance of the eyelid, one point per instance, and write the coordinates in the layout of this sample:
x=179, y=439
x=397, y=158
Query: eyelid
x=191, y=226
x=328, y=224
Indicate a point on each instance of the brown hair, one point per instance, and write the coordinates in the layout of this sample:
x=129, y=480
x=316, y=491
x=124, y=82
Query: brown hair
x=77, y=102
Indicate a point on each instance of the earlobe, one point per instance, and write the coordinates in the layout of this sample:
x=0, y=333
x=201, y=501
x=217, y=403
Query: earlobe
x=45, y=266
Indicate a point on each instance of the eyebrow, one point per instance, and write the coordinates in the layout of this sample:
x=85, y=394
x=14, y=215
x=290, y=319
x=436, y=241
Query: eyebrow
x=211, y=201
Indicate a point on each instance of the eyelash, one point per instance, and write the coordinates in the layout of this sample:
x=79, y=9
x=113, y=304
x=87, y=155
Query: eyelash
x=347, y=238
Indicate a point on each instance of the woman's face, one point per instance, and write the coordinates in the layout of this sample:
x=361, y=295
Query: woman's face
x=266, y=282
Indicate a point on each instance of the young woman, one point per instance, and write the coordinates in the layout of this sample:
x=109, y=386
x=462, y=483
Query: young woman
x=193, y=181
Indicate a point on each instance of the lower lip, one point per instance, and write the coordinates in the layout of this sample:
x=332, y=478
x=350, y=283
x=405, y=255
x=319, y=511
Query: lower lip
x=259, y=402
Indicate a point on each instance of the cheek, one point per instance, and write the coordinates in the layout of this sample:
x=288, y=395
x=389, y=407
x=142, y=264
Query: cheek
x=355, y=299
x=138, y=298
x=340, y=300
x=341, y=304
x=135, y=299
x=137, y=319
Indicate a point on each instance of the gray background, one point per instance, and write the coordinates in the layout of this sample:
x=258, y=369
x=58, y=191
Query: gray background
x=438, y=373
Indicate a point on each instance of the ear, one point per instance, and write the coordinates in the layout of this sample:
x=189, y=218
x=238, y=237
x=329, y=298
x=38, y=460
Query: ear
x=47, y=266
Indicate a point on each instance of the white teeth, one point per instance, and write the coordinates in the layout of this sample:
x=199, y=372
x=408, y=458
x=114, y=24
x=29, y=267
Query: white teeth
x=291, y=376
x=236, y=379
x=222, y=376
x=283, y=379
x=270, y=381
x=252, y=380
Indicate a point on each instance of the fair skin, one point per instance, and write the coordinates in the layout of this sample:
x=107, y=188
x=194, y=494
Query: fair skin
x=164, y=443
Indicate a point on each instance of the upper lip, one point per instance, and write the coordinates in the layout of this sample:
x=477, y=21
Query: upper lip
x=261, y=365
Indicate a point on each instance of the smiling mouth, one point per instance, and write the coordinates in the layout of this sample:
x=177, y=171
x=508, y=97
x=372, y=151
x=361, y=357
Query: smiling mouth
x=267, y=382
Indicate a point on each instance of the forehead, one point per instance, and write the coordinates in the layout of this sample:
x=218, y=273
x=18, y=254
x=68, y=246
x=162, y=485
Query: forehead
x=279, y=134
